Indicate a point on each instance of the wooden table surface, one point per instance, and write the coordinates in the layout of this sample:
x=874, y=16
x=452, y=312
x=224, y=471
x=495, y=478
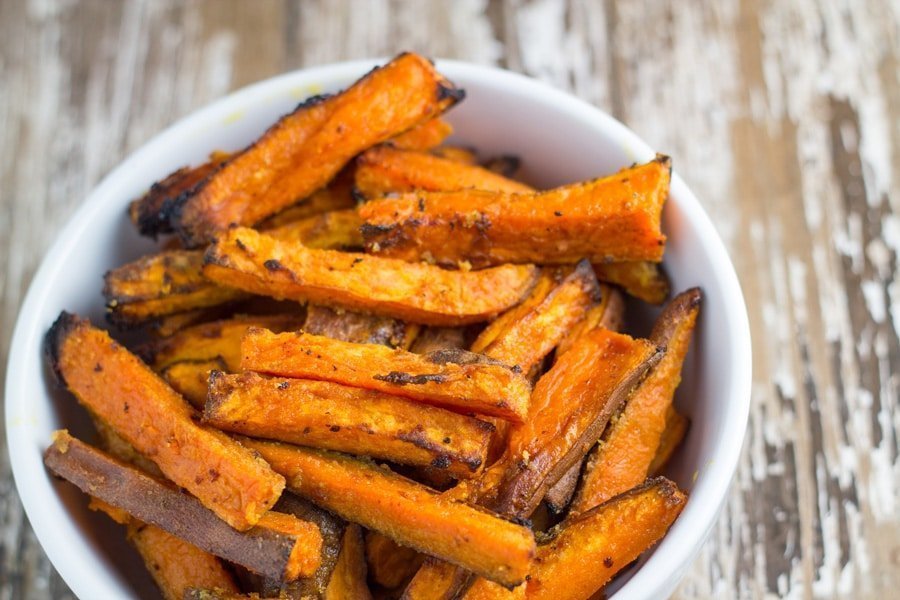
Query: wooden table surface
x=784, y=117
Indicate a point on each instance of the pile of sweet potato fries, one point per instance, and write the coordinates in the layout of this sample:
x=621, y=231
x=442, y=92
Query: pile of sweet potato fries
x=371, y=366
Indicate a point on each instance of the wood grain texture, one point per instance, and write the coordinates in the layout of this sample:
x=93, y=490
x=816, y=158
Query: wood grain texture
x=784, y=117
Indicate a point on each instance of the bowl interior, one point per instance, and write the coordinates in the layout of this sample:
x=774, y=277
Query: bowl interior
x=559, y=140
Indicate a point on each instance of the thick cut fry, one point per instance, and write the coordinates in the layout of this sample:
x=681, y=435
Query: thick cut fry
x=608, y=314
x=642, y=279
x=279, y=545
x=431, y=339
x=328, y=415
x=122, y=391
x=217, y=339
x=420, y=293
x=453, y=379
x=422, y=137
x=390, y=565
x=175, y=564
x=148, y=213
x=305, y=149
x=623, y=459
x=359, y=328
x=348, y=579
x=526, y=341
x=383, y=170
x=585, y=553
x=560, y=494
x=457, y=154
x=161, y=284
x=112, y=442
x=339, y=229
x=570, y=407
x=547, y=280
x=616, y=218
x=190, y=378
x=409, y=513
x=672, y=436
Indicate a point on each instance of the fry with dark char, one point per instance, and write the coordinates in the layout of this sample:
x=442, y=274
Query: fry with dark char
x=306, y=148
x=616, y=218
x=279, y=545
x=119, y=389
x=190, y=378
x=452, y=379
x=586, y=552
x=328, y=415
x=382, y=170
x=216, y=339
x=348, y=579
x=431, y=339
x=410, y=513
x=623, y=459
x=416, y=292
x=672, y=436
x=359, y=328
x=161, y=284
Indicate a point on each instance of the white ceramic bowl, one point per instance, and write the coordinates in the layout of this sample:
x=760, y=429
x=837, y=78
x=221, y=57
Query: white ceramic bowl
x=560, y=139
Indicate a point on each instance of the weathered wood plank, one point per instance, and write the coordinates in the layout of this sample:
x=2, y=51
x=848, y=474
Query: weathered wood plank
x=783, y=117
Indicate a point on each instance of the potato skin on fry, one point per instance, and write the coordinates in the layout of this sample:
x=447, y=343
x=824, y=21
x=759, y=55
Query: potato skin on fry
x=359, y=328
x=412, y=514
x=585, y=553
x=629, y=447
x=453, y=379
x=278, y=546
x=122, y=391
x=415, y=292
x=306, y=148
x=328, y=415
x=616, y=218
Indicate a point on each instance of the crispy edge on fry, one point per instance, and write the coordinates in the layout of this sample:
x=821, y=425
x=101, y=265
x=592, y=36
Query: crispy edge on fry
x=135, y=402
x=560, y=494
x=623, y=459
x=190, y=378
x=382, y=170
x=321, y=414
x=417, y=292
x=359, y=328
x=216, y=339
x=278, y=546
x=608, y=314
x=405, y=511
x=616, y=218
x=452, y=379
x=571, y=406
x=348, y=579
x=585, y=553
x=305, y=149
x=677, y=426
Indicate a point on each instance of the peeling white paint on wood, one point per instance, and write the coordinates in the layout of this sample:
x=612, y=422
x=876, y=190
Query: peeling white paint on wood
x=784, y=117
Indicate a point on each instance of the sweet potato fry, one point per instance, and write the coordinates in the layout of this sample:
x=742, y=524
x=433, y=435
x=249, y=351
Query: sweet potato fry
x=338, y=229
x=148, y=213
x=672, y=436
x=438, y=580
x=328, y=415
x=348, y=579
x=166, y=325
x=122, y=391
x=560, y=494
x=616, y=218
x=642, y=279
x=586, y=552
x=506, y=164
x=453, y=379
x=609, y=313
x=217, y=339
x=420, y=293
x=359, y=328
x=623, y=459
x=190, y=378
x=279, y=545
x=405, y=511
x=383, y=169
x=570, y=407
x=390, y=565
x=175, y=564
x=161, y=284
x=431, y=339
x=525, y=341
x=423, y=137
x=306, y=148
x=457, y=154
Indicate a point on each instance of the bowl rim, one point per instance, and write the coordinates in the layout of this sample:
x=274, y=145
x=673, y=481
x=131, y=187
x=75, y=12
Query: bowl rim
x=711, y=486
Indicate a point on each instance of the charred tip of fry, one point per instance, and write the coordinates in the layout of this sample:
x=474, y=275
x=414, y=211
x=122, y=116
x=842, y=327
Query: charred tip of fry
x=65, y=323
x=446, y=90
x=665, y=161
x=314, y=100
x=369, y=230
